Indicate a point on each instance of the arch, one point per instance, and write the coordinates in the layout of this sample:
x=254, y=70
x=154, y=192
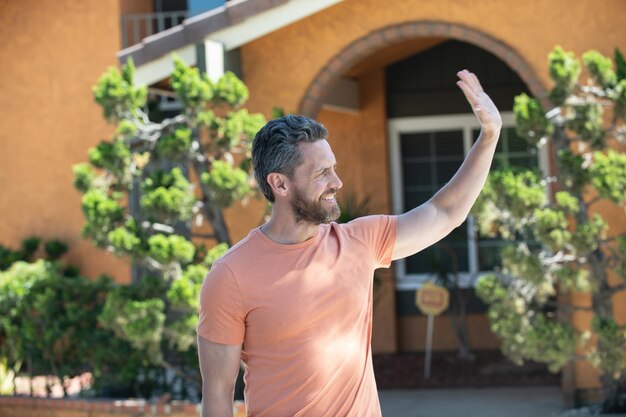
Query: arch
x=312, y=101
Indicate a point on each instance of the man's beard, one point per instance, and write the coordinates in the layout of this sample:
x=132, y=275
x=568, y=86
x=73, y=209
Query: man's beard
x=313, y=212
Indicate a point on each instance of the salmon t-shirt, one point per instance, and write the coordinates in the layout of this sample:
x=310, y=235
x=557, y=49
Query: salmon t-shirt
x=303, y=314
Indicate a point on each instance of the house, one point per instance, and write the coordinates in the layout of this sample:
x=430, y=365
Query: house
x=378, y=74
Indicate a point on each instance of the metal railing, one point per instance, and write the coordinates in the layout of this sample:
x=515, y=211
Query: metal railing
x=135, y=27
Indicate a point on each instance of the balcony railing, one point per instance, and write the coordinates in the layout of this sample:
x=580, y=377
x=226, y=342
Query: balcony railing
x=135, y=27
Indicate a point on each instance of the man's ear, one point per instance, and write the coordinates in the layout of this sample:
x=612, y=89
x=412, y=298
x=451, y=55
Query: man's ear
x=279, y=183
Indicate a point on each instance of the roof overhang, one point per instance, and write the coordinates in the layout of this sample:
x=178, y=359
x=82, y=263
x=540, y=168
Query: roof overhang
x=232, y=25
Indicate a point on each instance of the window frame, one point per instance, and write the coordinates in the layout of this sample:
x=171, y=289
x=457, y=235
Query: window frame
x=466, y=122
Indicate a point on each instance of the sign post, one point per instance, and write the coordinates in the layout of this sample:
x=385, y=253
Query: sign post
x=431, y=300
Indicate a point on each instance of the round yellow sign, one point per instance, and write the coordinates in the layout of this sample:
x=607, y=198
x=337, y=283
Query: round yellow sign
x=432, y=299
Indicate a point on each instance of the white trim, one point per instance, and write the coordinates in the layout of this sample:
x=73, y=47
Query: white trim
x=214, y=59
x=161, y=68
x=466, y=123
x=266, y=22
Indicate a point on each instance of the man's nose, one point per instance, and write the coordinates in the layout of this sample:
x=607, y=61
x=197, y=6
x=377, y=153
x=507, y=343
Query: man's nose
x=336, y=182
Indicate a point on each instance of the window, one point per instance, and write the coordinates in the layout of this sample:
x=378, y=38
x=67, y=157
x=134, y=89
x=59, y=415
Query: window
x=425, y=153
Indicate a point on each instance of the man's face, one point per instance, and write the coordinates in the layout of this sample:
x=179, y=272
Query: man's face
x=315, y=183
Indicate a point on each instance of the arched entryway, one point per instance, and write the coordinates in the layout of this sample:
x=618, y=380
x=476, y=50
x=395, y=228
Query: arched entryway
x=399, y=33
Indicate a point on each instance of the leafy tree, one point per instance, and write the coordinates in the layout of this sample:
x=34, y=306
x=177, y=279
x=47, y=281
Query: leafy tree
x=9, y=256
x=49, y=320
x=559, y=241
x=184, y=169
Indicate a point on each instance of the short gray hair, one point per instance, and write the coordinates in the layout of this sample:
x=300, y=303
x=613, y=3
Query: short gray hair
x=275, y=147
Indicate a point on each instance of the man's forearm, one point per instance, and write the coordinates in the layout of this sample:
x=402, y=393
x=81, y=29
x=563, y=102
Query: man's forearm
x=458, y=195
x=217, y=406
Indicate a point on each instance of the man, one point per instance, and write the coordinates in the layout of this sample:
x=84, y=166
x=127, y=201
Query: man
x=293, y=300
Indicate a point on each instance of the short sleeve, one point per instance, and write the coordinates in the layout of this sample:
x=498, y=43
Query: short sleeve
x=378, y=233
x=221, y=312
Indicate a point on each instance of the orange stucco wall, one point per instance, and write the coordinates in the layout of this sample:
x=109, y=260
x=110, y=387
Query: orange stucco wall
x=293, y=56
x=51, y=53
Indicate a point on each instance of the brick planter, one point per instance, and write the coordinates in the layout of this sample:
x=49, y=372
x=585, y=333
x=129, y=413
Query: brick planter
x=49, y=407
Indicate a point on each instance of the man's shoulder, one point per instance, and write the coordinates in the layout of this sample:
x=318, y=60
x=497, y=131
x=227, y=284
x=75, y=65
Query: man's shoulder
x=243, y=251
x=371, y=221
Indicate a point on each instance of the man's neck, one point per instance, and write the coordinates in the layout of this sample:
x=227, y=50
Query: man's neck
x=284, y=229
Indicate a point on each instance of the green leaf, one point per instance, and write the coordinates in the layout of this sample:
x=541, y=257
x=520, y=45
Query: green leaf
x=608, y=173
x=124, y=240
x=520, y=263
x=600, y=68
x=226, y=183
x=116, y=94
x=231, y=90
x=237, y=127
x=620, y=63
x=214, y=254
x=138, y=321
x=55, y=249
x=608, y=355
x=167, y=196
x=114, y=157
x=195, y=91
x=572, y=277
x=551, y=228
x=508, y=198
x=572, y=172
x=184, y=292
x=567, y=202
x=587, y=123
x=172, y=248
x=564, y=70
x=175, y=145
x=530, y=120
x=102, y=213
x=587, y=236
x=84, y=176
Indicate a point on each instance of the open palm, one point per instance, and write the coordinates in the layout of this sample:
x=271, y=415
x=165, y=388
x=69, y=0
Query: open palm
x=482, y=105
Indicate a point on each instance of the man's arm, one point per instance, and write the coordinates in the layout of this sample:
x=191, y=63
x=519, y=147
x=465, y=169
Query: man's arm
x=219, y=366
x=449, y=207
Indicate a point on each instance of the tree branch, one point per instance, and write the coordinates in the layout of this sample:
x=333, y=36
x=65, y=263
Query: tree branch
x=592, y=201
x=157, y=227
x=151, y=263
x=150, y=132
x=559, y=257
x=211, y=209
x=598, y=96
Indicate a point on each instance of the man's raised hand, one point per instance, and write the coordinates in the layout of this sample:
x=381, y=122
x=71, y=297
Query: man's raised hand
x=484, y=109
